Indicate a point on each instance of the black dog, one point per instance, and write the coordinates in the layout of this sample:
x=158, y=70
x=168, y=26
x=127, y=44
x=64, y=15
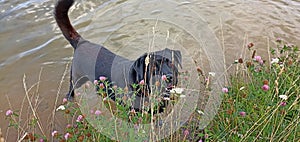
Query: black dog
x=92, y=61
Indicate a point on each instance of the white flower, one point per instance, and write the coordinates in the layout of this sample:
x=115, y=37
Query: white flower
x=275, y=60
x=147, y=60
x=242, y=88
x=240, y=135
x=212, y=74
x=176, y=90
x=200, y=112
x=61, y=107
x=284, y=97
x=167, y=98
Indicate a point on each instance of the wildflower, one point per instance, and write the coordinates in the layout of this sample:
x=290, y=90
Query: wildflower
x=275, y=61
x=212, y=74
x=9, y=112
x=240, y=135
x=257, y=58
x=242, y=88
x=242, y=113
x=236, y=61
x=261, y=62
x=229, y=111
x=132, y=112
x=61, y=107
x=248, y=64
x=79, y=118
x=240, y=60
x=290, y=45
x=250, y=45
x=98, y=112
x=28, y=136
x=88, y=134
x=96, y=82
x=77, y=93
x=67, y=111
x=54, y=133
x=200, y=112
x=65, y=100
x=164, y=77
x=142, y=82
x=101, y=85
x=102, y=78
x=80, y=138
x=69, y=126
x=265, y=87
x=225, y=90
x=166, y=99
x=67, y=136
x=266, y=82
x=176, y=90
x=257, y=69
x=278, y=39
x=41, y=140
x=186, y=77
x=199, y=70
x=206, y=136
x=186, y=132
x=206, y=79
x=283, y=104
x=284, y=97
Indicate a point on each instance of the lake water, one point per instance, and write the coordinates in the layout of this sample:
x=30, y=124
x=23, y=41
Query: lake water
x=32, y=45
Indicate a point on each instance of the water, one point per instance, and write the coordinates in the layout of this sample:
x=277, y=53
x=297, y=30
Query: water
x=32, y=43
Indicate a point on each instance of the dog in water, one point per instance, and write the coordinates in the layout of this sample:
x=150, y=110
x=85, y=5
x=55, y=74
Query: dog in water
x=92, y=61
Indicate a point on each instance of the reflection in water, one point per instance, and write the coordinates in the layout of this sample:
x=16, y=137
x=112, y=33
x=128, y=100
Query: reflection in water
x=30, y=39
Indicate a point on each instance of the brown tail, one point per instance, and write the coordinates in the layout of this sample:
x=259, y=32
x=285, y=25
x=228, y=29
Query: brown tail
x=61, y=16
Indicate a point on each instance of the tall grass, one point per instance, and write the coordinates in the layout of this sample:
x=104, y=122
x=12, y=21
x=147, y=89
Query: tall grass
x=260, y=104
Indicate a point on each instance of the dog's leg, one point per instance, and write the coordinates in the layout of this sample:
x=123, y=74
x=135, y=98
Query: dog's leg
x=70, y=94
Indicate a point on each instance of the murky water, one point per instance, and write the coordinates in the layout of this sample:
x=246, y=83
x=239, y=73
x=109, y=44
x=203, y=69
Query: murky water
x=31, y=42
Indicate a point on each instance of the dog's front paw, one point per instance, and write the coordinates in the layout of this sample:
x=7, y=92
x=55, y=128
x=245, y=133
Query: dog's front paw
x=70, y=96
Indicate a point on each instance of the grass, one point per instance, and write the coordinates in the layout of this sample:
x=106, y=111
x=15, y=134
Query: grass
x=261, y=103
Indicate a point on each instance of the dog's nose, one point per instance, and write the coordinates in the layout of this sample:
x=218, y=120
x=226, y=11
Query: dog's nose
x=169, y=77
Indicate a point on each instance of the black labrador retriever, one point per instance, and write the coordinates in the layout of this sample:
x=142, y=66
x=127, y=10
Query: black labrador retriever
x=92, y=61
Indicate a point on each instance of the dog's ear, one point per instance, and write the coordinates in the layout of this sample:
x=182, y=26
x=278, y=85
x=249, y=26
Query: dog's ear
x=177, y=57
x=138, y=68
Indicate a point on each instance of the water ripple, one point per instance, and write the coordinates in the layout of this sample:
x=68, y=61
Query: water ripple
x=15, y=58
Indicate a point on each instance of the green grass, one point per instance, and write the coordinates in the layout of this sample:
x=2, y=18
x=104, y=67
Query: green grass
x=254, y=108
x=268, y=116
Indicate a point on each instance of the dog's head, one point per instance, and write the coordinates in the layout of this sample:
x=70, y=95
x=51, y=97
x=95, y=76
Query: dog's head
x=153, y=66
